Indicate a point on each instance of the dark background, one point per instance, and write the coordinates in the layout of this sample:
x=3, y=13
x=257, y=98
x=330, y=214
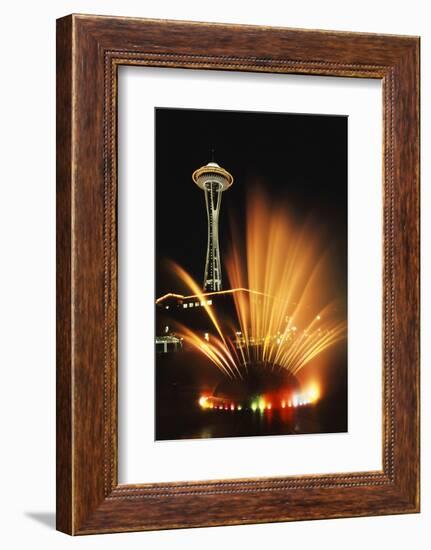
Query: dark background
x=299, y=159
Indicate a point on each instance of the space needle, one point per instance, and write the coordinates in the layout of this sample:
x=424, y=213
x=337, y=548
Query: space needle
x=213, y=180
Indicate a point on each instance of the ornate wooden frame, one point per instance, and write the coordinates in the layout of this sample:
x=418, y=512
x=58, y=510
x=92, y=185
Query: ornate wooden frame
x=89, y=51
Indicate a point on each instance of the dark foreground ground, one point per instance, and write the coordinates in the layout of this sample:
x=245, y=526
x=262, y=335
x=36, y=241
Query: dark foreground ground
x=182, y=379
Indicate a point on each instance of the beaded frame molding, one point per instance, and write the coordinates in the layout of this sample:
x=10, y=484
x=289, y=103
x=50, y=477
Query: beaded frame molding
x=89, y=51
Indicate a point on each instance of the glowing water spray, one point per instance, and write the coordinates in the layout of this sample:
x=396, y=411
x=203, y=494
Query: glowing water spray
x=289, y=317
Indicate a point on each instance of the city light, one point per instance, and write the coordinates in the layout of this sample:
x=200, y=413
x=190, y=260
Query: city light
x=203, y=401
x=313, y=392
x=306, y=397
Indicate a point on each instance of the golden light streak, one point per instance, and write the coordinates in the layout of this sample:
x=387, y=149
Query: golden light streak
x=217, y=358
x=168, y=295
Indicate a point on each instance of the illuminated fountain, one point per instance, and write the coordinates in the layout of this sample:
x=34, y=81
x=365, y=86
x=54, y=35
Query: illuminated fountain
x=287, y=318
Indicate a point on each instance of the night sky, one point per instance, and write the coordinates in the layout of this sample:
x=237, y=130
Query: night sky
x=299, y=159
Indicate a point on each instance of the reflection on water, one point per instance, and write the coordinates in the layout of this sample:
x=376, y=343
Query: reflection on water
x=179, y=418
x=180, y=383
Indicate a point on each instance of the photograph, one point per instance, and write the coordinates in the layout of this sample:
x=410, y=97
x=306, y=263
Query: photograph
x=251, y=273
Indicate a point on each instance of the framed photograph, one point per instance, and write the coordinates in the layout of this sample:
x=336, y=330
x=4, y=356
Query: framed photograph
x=237, y=274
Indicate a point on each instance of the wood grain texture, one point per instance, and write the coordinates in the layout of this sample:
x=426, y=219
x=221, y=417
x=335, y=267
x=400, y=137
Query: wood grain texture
x=90, y=49
x=64, y=495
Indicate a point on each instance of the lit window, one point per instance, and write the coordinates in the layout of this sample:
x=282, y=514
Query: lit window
x=184, y=305
x=210, y=302
x=196, y=304
x=202, y=303
x=191, y=304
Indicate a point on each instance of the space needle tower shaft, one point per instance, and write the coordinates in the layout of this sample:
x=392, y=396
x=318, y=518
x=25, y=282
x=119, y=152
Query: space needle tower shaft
x=213, y=180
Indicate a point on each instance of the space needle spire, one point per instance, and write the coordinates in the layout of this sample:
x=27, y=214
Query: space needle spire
x=213, y=180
